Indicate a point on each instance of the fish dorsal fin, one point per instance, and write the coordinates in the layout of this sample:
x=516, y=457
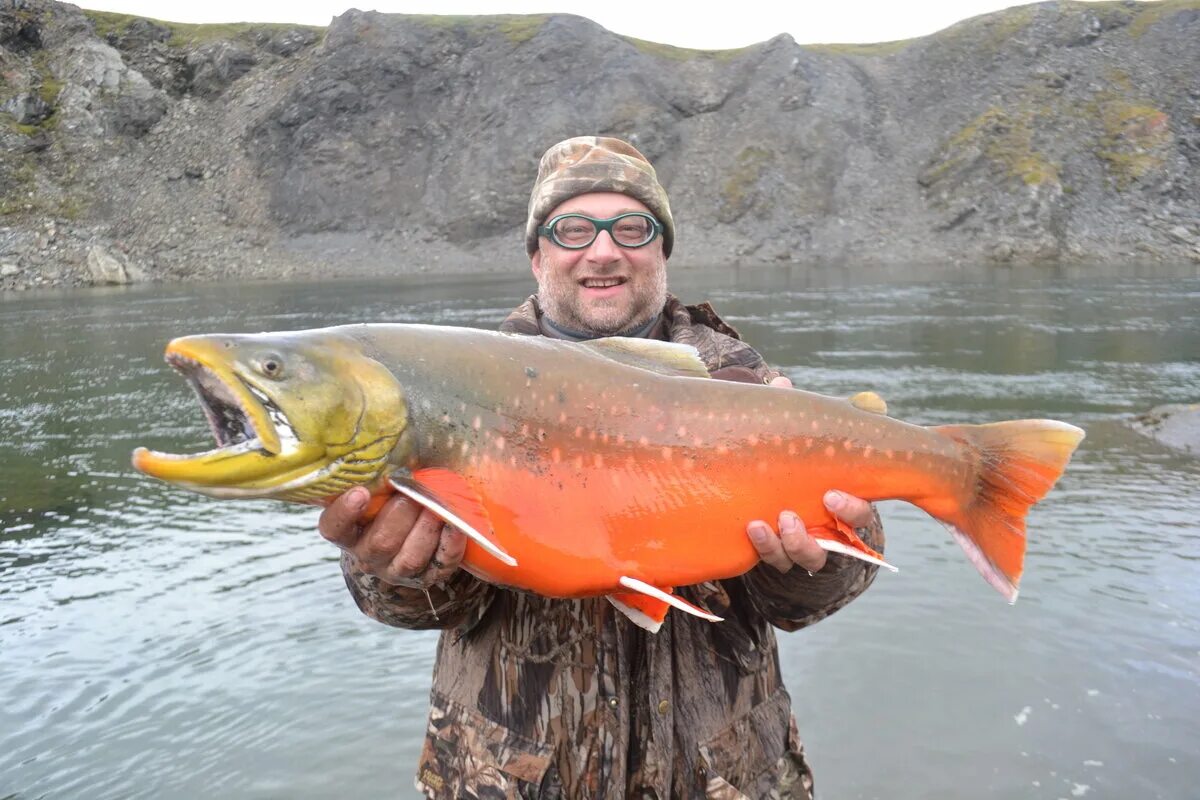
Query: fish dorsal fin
x=647, y=605
x=447, y=494
x=869, y=401
x=665, y=358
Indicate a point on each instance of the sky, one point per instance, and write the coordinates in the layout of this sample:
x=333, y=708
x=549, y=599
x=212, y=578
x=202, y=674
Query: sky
x=735, y=24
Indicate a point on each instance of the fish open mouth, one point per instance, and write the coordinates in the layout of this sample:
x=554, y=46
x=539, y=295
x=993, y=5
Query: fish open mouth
x=242, y=418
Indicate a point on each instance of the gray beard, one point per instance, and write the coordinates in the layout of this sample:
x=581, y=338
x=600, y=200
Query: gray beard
x=564, y=313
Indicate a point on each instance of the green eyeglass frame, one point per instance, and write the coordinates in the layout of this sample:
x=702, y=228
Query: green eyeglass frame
x=547, y=230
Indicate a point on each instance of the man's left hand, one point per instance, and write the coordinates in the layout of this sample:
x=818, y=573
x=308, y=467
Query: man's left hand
x=793, y=546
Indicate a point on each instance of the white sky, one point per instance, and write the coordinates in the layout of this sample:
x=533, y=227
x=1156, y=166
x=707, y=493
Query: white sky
x=723, y=25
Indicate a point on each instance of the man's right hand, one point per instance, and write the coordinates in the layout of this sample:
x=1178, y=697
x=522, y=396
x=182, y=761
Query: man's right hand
x=405, y=545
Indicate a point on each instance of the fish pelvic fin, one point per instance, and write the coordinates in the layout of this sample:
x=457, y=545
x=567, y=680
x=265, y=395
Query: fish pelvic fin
x=647, y=606
x=447, y=494
x=1020, y=462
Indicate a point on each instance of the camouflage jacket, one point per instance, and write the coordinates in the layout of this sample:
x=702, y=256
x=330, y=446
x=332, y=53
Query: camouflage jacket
x=540, y=698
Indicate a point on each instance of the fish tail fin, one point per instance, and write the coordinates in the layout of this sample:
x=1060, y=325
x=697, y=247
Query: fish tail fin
x=1020, y=461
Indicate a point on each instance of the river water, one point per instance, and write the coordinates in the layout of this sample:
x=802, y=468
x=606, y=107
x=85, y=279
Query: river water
x=156, y=644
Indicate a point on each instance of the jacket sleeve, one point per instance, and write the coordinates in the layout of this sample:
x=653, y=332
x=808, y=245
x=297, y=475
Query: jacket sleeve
x=457, y=604
x=793, y=600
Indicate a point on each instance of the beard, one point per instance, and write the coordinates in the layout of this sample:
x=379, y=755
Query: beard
x=561, y=299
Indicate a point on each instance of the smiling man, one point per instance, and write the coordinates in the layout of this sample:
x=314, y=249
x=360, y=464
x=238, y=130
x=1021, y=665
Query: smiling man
x=542, y=698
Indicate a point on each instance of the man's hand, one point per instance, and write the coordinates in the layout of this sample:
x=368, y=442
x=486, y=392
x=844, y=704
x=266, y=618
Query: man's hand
x=405, y=545
x=793, y=546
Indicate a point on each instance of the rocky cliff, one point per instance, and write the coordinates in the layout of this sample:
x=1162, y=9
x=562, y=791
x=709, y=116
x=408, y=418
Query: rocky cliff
x=133, y=149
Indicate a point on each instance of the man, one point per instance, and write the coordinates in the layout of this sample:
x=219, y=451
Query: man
x=537, y=697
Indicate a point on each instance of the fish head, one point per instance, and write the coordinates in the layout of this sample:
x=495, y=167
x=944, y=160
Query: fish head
x=299, y=416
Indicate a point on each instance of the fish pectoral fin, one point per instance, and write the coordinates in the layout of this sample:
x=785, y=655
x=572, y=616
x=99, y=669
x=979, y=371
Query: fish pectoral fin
x=869, y=401
x=665, y=358
x=647, y=605
x=844, y=540
x=447, y=494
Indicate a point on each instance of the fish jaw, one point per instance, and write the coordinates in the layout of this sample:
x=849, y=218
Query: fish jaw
x=332, y=425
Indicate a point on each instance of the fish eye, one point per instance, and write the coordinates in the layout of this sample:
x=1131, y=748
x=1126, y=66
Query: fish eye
x=271, y=366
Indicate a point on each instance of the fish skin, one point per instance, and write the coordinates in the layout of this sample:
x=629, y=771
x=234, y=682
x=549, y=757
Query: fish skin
x=589, y=470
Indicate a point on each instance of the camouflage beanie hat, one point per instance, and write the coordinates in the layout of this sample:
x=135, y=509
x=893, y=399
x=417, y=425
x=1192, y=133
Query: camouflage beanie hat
x=595, y=164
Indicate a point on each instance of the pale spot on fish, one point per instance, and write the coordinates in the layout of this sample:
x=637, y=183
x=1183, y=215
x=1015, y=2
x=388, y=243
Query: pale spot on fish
x=562, y=416
x=499, y=442
x=477, y=423
x=643, y=441
x=722, y=450
x=525, y=430
x=681, y=431
x=908, y=456
x=808, y=443
x=620, y=438
x=577, y=462
x=666, y=453
x=697, y=442
x=598, y=461
x=660, y=427
x=867, y=452
x=777, y=441
x=792, y=448
x=830, y=451
x=429, y=441
x=578, y=431
x=465, y=447
x=689, y=464
x=591, y=436
x=753, y=440
x=556, y=455
x=889, y=454
x=445, y=419
x=814, y=425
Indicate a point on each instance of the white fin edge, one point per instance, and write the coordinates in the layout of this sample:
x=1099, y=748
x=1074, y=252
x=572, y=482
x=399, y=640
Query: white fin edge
x=455, y=520
x=669, y=599
x=635, y=616
x=847, y=550
x=985, y=567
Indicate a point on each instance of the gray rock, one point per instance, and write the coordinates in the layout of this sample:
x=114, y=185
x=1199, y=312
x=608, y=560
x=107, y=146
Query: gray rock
x=217, y=65
x=106, y=267
x=27, y=109
x=1176, y=426
x=8, y=270
x=1182, y=234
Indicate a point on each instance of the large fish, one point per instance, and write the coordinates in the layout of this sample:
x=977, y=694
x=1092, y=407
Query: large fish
x=614, y=467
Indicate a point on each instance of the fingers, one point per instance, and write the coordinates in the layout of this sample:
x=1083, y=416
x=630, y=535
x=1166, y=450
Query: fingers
x=339, y=520
x=854, y=512
x=448, y=556
x=791, y=548
x=768, y=545
x=800, y=548
x=415, y=552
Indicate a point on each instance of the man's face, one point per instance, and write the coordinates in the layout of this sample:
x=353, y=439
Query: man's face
x=603, y=288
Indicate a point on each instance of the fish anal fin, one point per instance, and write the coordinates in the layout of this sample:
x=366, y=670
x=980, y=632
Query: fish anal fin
x=665, y=358
x=842, y=539
x=447, y=494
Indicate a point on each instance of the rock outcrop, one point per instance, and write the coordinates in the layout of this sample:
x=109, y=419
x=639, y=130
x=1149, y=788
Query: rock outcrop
x=1056, y=132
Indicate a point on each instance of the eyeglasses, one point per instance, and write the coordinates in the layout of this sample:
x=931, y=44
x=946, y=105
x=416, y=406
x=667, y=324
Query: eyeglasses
x=576, y=231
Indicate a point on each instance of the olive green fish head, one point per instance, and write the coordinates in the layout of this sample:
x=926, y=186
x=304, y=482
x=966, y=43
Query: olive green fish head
x=297, y=416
